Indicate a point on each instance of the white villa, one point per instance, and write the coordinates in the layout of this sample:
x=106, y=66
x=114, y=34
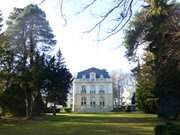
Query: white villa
x=92, y=91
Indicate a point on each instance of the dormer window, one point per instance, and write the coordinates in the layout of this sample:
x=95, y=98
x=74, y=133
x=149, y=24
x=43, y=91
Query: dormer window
x=92, y=76
x=83, y=76
x=101, y=76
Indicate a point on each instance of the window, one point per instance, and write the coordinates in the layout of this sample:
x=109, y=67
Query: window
x=101, y=89
x=83, y=101
x=101, y=76
x=92, y=89
x=84, y=76
x=93, y=101
x=92, y=76
x=83, y=89
x=101, y=92
x=101, y=102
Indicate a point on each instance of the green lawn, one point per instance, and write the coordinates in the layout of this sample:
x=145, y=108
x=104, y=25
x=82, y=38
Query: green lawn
x=83, y=124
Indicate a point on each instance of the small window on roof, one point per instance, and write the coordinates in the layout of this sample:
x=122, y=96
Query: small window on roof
x=92, y=76
x=84, y=76
x=101, y=76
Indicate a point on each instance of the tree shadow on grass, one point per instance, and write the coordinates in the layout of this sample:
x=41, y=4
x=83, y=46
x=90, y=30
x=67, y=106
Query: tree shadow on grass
x=82, y=124
x=96, y=119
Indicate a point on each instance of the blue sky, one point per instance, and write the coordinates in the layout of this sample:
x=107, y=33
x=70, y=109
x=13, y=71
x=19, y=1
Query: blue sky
x=80, y=50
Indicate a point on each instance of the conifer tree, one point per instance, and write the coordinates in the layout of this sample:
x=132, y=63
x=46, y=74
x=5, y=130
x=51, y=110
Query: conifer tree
x=29, y=33
x=59, y=81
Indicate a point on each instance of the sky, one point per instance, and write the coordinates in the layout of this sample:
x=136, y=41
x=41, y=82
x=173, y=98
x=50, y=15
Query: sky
x=80, y=51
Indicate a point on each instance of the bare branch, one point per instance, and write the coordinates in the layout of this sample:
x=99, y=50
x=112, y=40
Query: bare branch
x=60, y=8
x=87, y=6
x=61, y=12
x=122, y=19
x=116, y=31
x=124, y=7
x=104, y=17
x=119, y=27
x=42, y=1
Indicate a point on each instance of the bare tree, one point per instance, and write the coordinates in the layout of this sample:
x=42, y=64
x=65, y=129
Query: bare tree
x=120, y=9
x=60, y=2
x=123, y=8
x=122, y=82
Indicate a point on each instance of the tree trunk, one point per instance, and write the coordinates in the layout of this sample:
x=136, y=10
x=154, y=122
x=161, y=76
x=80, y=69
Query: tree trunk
x=28, y=104
x=30, y=110
x=54, y=109
x=2, y=113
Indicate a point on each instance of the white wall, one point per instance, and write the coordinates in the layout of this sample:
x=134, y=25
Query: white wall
x=108, y=95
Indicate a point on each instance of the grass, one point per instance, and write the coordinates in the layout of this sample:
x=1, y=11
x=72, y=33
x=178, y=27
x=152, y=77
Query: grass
x=83, y=124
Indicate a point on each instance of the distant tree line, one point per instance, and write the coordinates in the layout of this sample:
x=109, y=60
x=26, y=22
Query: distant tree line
x=29, y=76
x=122, y=83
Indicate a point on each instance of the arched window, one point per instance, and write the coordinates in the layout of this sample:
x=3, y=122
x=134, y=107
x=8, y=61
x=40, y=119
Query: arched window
x=101, y=101
x=83, y=101
x=92, y=89
x=93, y=101
x=83, y=89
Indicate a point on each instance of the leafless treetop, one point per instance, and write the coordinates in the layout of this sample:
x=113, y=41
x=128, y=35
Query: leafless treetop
x=123, y=9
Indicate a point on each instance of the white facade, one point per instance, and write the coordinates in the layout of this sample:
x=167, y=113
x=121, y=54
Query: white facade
x=92, y=91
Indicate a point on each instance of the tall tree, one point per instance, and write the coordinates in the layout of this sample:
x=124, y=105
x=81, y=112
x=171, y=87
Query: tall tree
x=0, y=52
x=59, y=81
x=157, y=27
x=29, y=33
x=145, y=87
x=1, y=19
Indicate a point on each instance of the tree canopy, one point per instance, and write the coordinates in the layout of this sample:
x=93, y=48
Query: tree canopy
x=26, y=65
x=157, y=28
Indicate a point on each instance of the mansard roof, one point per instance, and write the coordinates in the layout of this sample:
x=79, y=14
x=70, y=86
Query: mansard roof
x=98, y=72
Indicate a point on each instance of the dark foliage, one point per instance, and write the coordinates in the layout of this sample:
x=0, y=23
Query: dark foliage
x=12, y=100
x=26, y=69
x=167, y=129
x=157, y=29
x=58, y=81
x=133, y=99
x=68, y=110
x=39, y=106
